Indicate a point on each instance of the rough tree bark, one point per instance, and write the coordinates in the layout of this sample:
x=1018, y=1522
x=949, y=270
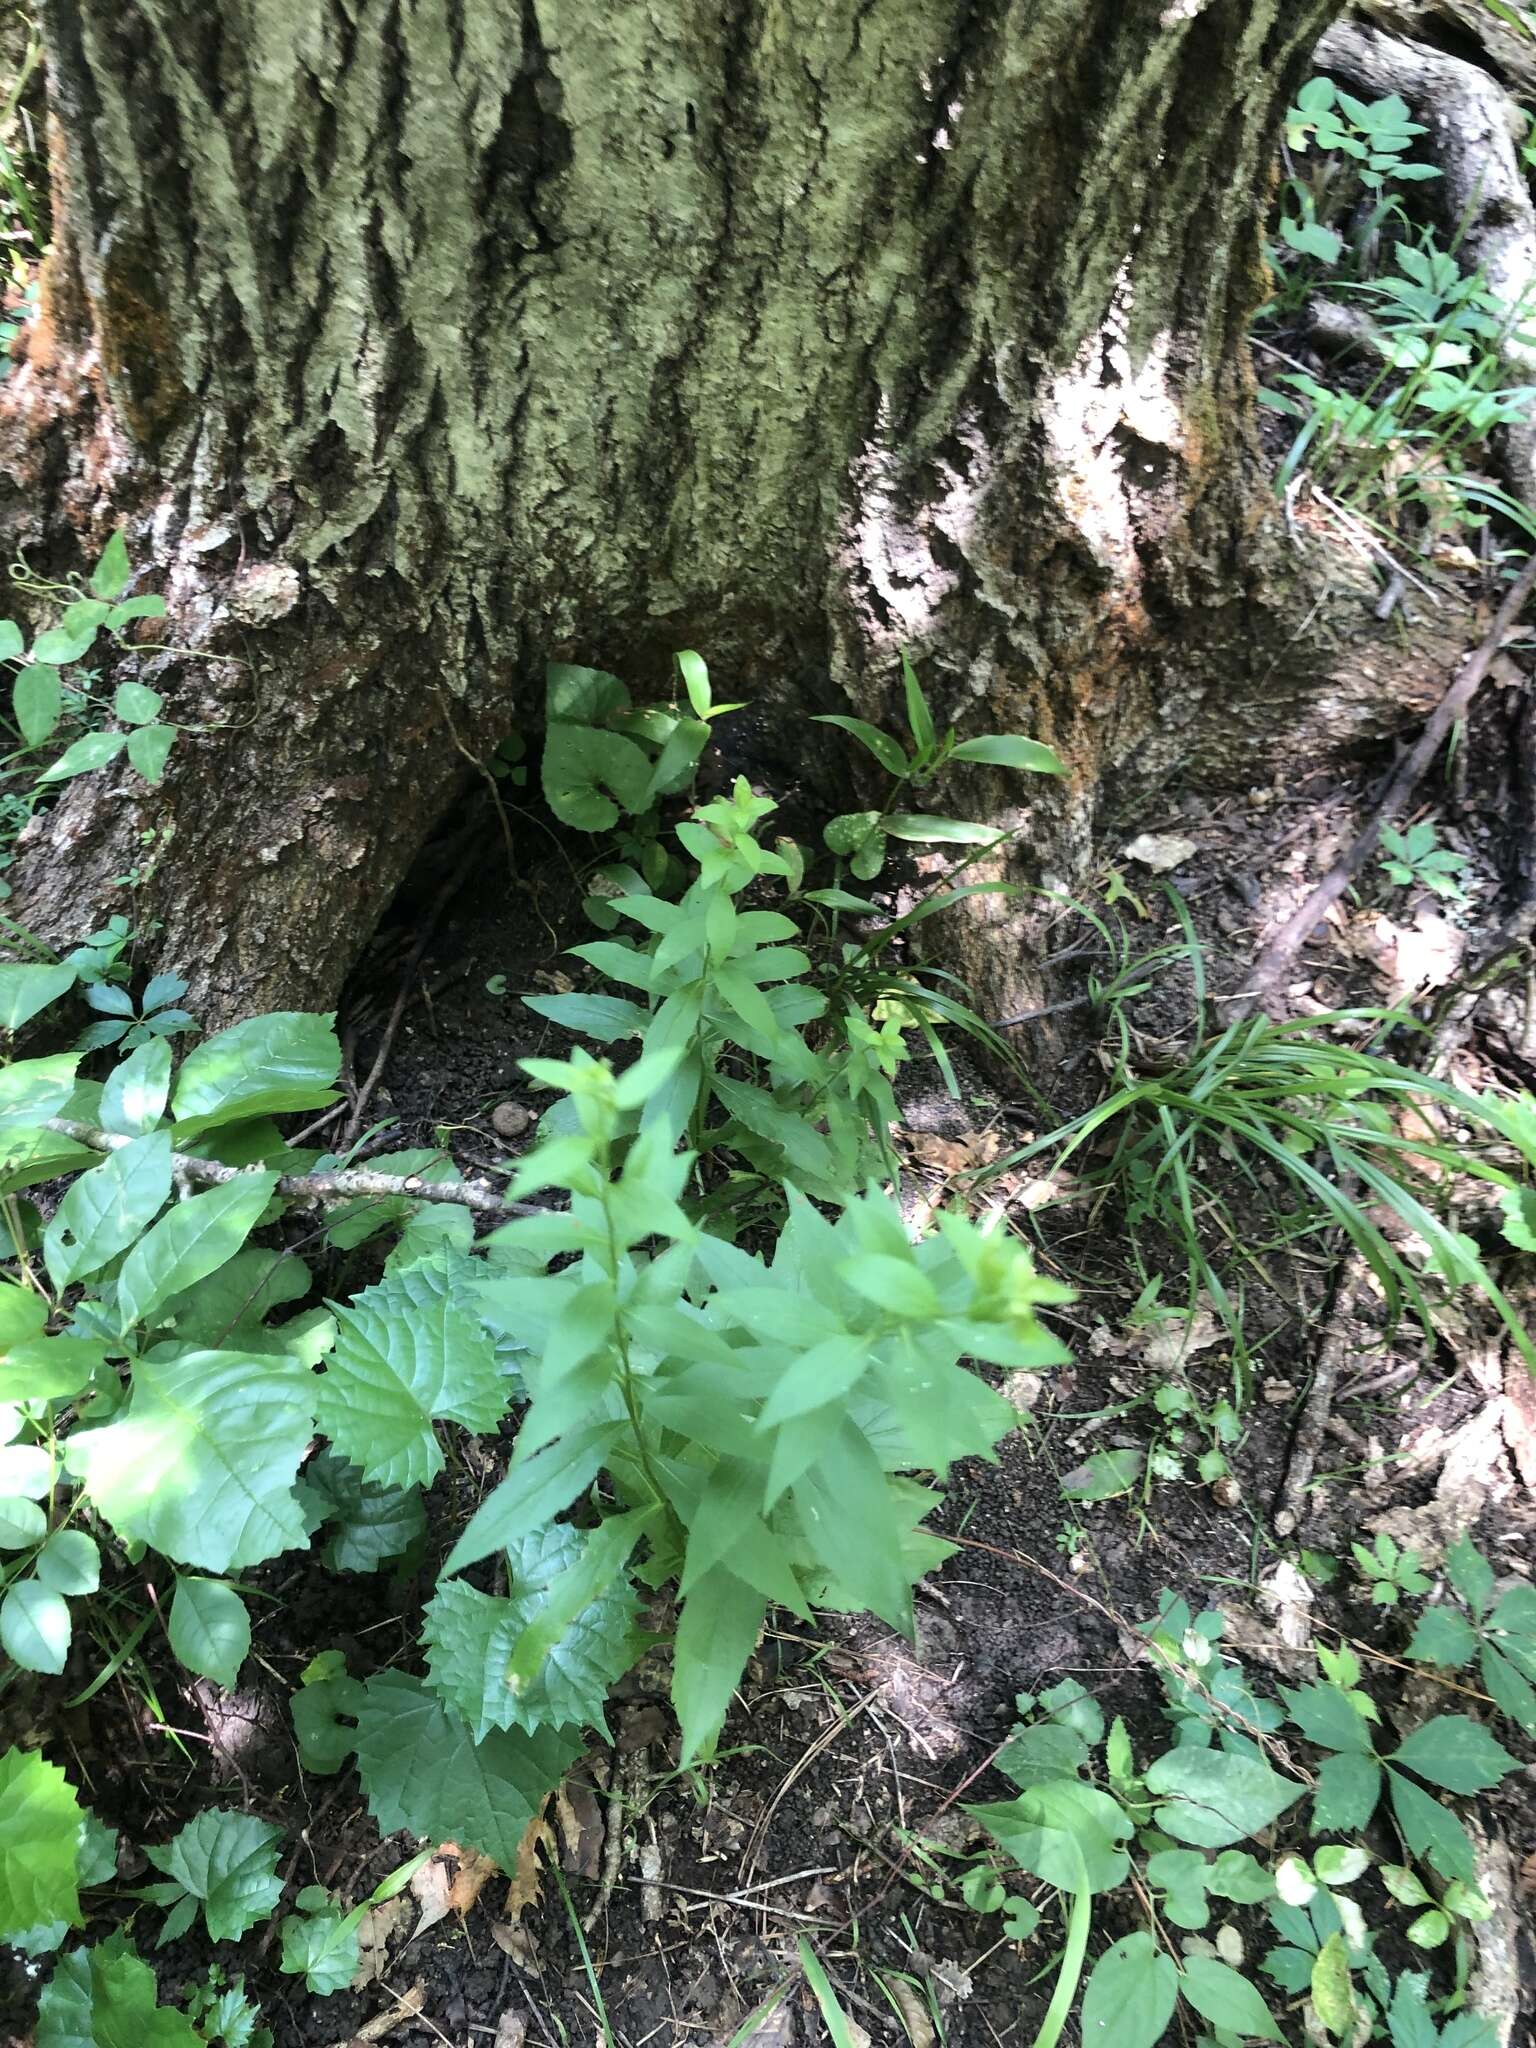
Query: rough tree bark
x=422, y=340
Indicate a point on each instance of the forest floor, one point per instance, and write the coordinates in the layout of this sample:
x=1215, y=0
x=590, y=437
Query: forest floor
x=847, y=1748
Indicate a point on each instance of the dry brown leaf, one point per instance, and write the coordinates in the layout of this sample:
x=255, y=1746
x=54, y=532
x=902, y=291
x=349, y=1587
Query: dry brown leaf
x=511, y=2030
x=1528, y=1875
x=473, y=1872
x=430, y=1888
x=523, y=1891
x=580, y=1821
x=955, y=1155
x=1520, y=1417
x=515, y=1941
x=914, y=2014
x=373, y=1935
x=1169, y=1342
x=1413, y=957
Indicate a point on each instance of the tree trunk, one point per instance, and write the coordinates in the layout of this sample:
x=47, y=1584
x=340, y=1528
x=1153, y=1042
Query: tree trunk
x=425, y=340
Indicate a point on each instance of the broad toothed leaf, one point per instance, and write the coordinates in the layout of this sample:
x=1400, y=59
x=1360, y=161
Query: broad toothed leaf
x=470, y=1638
x=423, y=1771
x=408, y=1353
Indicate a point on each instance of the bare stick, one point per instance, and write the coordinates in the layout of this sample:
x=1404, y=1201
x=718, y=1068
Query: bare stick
x=1277, y=956
x=353, y=1184
x=1319, y=1404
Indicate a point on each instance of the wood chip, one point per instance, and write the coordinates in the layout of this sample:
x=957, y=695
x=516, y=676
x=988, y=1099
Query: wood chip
x=1520, y=1417
x=407, y=2005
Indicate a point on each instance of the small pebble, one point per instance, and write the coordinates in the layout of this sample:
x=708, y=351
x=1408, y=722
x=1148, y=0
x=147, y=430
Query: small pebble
x=510, y=1119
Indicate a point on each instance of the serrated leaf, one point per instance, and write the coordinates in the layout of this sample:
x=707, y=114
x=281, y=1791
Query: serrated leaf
x=1348, y=1787
x=202, y=1462
x=482, y=1796
x=1212, y=1798
x=1456, y=1753
x=1470, y=1572
x=1130, y=1994
x=108, y=1209
x=470, y=1638
x=189, y=1243
x=35, y=1627
x=369, y=1525
x=408, y=1353
x=209, y=1630
x=1326, y=1715
x=1443, y=1635
x=263, y=1067
x=40, y=1821
x=227, y=1863
x=104, y=1997
x=322, y=1948
x=1430, y=1831
x=1227, y=2000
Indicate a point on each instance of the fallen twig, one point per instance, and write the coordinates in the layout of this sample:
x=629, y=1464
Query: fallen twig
x=353, y=1184
x=1319, y=1405
x=1277, y=956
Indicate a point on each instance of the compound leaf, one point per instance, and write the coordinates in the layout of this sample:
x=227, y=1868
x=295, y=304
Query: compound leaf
x=227, y=1863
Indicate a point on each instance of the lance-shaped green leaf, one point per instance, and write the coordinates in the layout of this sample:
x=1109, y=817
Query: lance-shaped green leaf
x=134, y=1095
x=533, y=1493
x=408, y=1353
x=227, y=1864
x=529, y=1661
x=40, y=1823
x=108, y=1208
x=201, y=1464
x=26, y=990
x=481, y=1795
x=194, y=1240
